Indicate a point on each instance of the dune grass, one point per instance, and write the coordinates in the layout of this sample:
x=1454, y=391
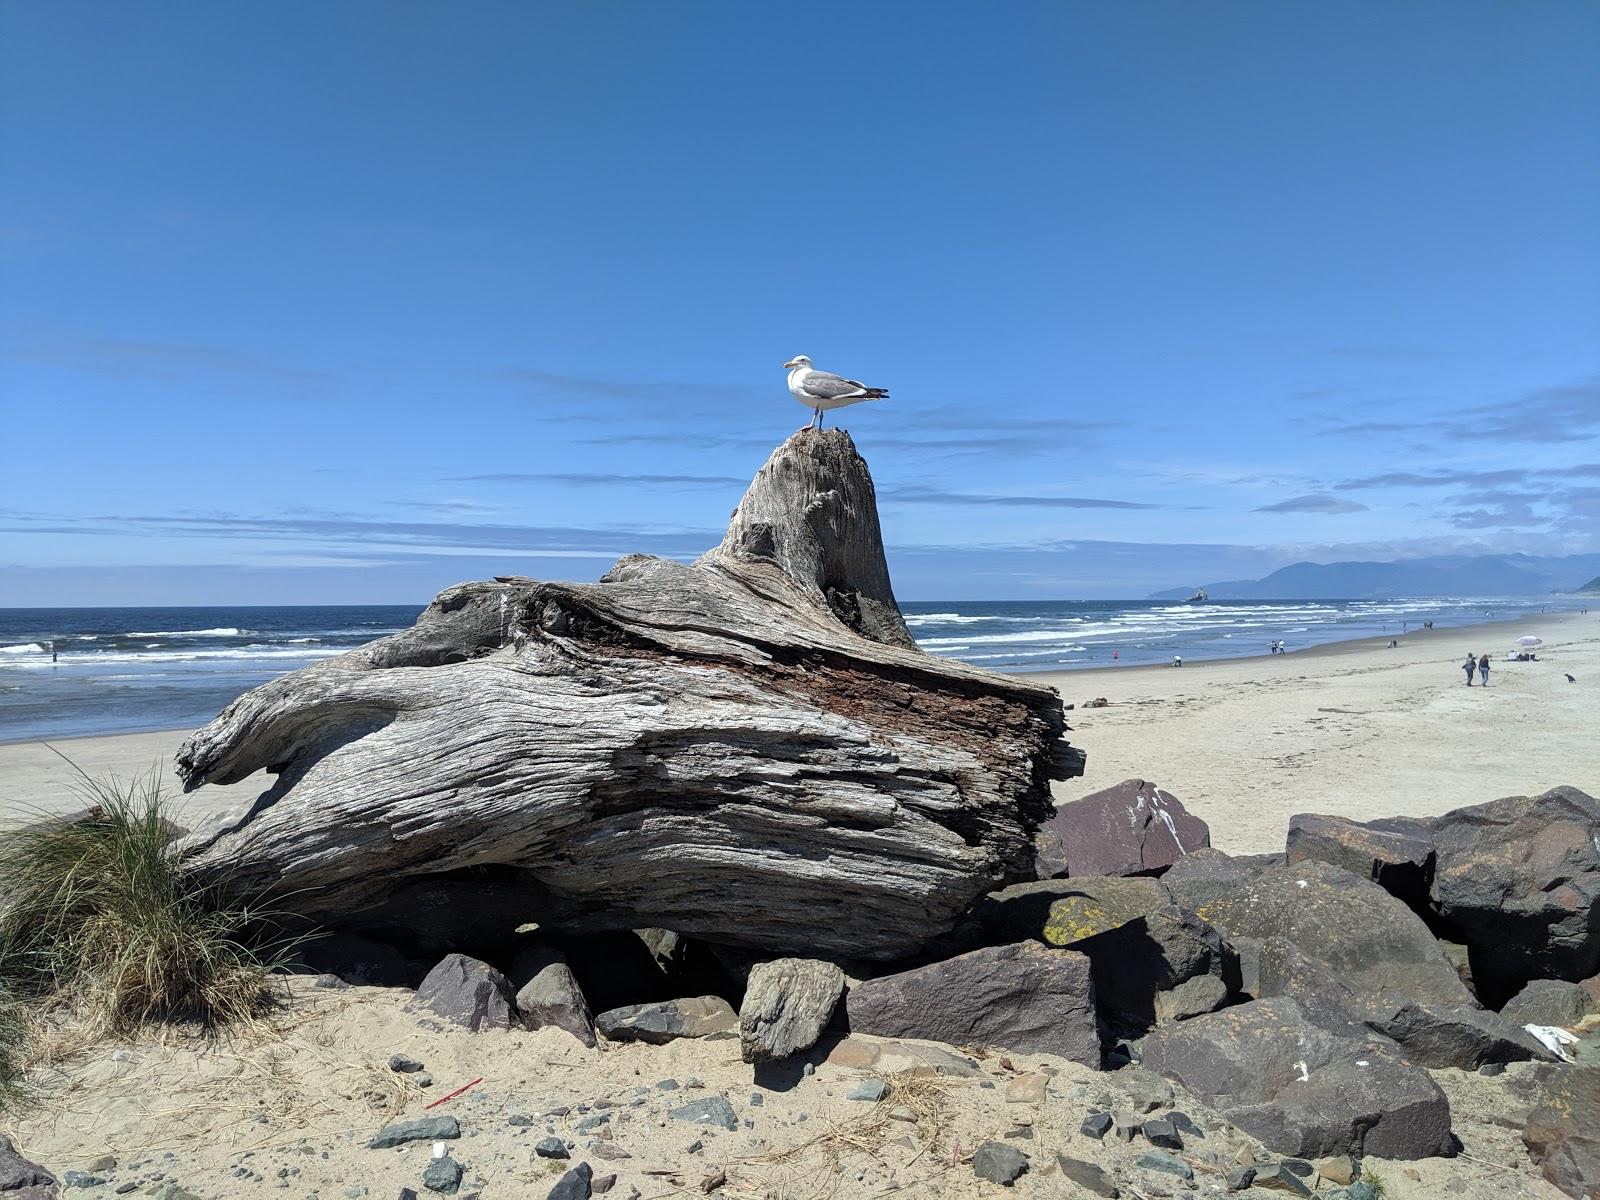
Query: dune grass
x=98, y=921
x=13, y=1042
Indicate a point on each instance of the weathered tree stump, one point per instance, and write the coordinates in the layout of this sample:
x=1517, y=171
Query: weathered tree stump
x=749, y=749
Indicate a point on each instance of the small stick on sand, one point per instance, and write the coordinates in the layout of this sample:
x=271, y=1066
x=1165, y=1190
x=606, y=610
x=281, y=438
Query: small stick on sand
x=453, y=1094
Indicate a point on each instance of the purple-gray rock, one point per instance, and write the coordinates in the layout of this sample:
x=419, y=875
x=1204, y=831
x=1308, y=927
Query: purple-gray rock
x=470, y=993
x=1368, y=940
x=1300, y=1089
x=548, y=993
x=21, y=1179
x=1399, y=858
x=1551, y=1002
x=576, y=1184
x=1518, y=880
x=1134, y=828
x=667, y=1020
x=1024, y=997
x=1562, y=1133
x=1449, y=1035
x=1143, y=946
x=1429, y=1034
x=999, y=1163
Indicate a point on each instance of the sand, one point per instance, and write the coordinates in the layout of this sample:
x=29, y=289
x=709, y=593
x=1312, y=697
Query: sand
x=1353, y=728
x=1357, y=729
x=292, y=1113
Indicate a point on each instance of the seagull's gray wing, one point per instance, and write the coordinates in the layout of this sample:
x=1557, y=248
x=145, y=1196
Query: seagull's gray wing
x=822, y=385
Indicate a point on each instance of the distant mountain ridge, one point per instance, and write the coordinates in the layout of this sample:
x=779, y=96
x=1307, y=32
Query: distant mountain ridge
x=1439, y=576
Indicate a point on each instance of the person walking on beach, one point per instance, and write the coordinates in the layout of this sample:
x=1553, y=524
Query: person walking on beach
x=1470, y=665
x=1483, y=669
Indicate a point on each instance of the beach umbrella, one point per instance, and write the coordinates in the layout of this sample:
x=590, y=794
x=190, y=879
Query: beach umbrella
x=1530, y=640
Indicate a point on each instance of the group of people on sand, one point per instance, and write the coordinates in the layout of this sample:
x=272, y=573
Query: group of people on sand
x=1480, y=664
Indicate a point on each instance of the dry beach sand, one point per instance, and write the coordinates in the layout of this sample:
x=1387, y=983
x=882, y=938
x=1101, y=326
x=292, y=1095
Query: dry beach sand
x=293, y=1115
x=1357, y=729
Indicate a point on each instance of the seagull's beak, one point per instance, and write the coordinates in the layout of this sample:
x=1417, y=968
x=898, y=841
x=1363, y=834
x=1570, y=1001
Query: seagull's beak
x=788, y=364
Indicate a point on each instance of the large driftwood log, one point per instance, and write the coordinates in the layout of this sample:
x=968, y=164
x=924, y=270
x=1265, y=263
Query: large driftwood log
x=750, y=749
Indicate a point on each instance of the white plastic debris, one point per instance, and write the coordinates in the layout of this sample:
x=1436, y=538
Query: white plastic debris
x=1554, y=1039
x=1305, y=1073
x=1361, y=1062
x=1301, y=883
x=438, y=1149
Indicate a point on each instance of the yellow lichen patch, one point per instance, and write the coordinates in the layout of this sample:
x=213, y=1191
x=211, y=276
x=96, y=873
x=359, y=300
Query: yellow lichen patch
x=1077, y=917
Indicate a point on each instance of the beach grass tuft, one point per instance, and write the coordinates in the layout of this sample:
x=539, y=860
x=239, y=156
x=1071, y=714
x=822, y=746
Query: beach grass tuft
x=13, y=1040
x=98, y=920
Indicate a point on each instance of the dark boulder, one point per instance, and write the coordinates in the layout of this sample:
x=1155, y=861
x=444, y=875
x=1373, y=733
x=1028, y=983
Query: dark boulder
x=548, y=993
x=467, y=992
x=1300, y=1089
x=1024, y=997
x=1449, y=1035
x=1551, y=1002
x=1134, y=828
x=1518, y=880
x=1428, y=1034
x=1370, y=941
x=1400, y=861
x=1563, y=1132
x=21, y=1179
x=1144, y=947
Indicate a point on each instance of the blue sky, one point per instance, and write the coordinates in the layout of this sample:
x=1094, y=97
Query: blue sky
x=344, y=302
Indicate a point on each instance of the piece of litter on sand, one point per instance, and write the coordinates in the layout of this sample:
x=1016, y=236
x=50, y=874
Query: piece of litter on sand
x=1554, y=1039
x=438, y=1149
x=453, y=1094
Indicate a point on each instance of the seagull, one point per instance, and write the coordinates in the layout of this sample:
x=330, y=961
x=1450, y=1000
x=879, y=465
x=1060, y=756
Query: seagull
x=822, y=392
x=1570, y=679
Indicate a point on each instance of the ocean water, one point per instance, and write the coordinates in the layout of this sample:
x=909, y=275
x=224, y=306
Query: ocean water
x=122, y=670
